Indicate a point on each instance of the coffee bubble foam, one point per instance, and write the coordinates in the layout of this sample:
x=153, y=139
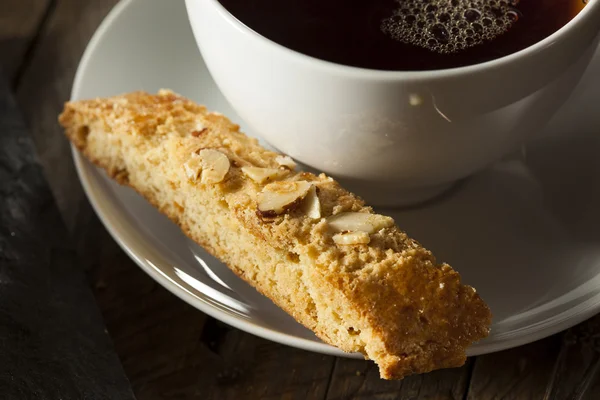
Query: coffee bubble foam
x=448, y=26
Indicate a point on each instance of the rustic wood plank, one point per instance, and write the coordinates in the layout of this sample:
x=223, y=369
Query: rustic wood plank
x=577, y=369
x=53, y=342
x=19, y=24
x=359, y=379
x=46, y=84
x=255, y=368
x=222, y=363
x=521, y=373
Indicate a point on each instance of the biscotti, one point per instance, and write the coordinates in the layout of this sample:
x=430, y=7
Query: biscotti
x=315, y=249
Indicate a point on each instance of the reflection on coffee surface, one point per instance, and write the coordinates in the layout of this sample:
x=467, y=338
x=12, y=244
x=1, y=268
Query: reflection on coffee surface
x=405, y=35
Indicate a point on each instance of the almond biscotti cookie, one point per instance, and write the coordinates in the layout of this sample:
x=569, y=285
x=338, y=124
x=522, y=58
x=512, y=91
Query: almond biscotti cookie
x=315, y=249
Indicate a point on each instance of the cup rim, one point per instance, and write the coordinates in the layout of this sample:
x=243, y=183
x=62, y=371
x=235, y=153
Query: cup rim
x=375, y=74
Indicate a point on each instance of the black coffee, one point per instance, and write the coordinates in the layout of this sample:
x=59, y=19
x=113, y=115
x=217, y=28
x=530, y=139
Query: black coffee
x=405, y=35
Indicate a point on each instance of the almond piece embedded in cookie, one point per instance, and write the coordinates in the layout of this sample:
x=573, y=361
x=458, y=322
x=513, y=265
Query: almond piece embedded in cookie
x=215, y=166
x=285, y=161
x=193, y=167
x=352, y=238
x=359, y=222
x=311, y=205
x=278, y=197
x=262, y=175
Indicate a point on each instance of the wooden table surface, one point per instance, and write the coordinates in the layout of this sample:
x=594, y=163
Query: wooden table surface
x=169, y=349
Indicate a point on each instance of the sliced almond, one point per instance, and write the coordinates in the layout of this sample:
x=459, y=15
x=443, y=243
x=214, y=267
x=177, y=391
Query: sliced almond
x=193, y=167
x=261, y=175
x=359, y=222
x=311, y=205
x=278, y=197
x=215, y=166
x=285, y=161
x=350, y=238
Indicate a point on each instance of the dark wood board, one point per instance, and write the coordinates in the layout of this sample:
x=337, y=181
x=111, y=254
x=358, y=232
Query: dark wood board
x=53, y=343
x=20, y=24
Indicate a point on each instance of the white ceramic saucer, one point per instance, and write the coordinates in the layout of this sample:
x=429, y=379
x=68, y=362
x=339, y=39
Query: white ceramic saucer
x=525, y=233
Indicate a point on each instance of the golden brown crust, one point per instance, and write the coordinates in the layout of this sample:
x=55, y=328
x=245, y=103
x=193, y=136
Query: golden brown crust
x=388, y=299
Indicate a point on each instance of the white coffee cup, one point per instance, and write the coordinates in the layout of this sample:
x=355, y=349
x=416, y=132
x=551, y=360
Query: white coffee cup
x=395, y=137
